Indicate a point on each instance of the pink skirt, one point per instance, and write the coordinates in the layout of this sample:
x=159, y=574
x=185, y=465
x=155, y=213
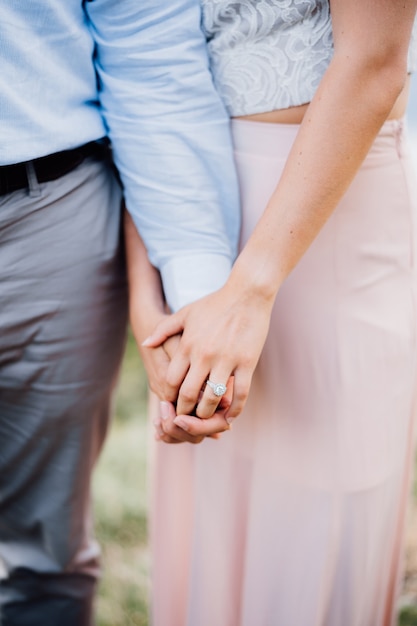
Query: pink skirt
x=295, y=517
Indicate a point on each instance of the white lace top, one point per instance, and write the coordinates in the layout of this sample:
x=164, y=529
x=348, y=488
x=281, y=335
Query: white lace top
x=270, y=54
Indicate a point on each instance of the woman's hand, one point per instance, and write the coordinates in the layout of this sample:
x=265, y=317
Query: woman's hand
x=222, y=337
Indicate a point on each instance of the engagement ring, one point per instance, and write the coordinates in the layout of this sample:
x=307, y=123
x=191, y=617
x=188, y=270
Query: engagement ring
x=218, y=388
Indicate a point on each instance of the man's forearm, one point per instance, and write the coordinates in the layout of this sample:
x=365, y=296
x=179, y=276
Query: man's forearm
x=170, y=138
x=146, y=300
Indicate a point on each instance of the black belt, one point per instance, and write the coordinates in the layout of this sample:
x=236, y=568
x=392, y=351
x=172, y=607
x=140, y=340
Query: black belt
x=51, y=167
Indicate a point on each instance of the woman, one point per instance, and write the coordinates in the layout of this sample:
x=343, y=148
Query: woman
x=295, y=518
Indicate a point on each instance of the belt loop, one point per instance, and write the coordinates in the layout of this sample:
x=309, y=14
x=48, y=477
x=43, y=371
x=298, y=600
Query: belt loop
x=33, y=184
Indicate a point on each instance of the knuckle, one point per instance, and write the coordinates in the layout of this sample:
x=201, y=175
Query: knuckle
x=237, y=405
x=185, y=347
x=188, y=395
x=194, y=434
x=241, y=393
x=165, y=428
x=207, y=354
x=234, y=412
x=169, y=438
x=170, y=394
x=242, y=396
x=238, y=409
x=205, y=411
x=171, y=380
x=198, y=439
x=246, y=361
x=225, y=403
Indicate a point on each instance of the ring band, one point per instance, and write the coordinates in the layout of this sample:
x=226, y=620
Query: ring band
x=218, y=388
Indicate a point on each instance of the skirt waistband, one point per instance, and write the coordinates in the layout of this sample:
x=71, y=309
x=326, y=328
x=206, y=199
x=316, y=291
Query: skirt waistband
x=275, y=140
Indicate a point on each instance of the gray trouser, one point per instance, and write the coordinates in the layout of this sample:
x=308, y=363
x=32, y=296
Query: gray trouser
x=62, y=329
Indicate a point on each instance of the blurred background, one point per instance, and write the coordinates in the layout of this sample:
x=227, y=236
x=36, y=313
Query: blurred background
x=120, y=496
x=120, y=502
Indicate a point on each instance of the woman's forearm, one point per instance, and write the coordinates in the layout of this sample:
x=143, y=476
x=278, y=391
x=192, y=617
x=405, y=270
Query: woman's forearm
x=355, y=96
x=339, y=127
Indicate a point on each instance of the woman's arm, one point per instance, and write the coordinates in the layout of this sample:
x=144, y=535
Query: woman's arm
x=224, y=333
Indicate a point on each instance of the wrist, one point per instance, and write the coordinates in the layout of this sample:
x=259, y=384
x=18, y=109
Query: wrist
x=144, y=318
x=255, y=280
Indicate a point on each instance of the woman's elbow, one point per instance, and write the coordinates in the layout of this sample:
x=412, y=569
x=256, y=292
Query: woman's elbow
x=382, y=75
x=391, y=70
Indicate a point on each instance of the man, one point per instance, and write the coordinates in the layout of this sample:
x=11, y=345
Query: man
x=71, y=74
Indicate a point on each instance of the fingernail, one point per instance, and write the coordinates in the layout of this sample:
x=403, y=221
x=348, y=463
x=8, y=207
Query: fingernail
x=146, y=342
x=230, y=420
x=182, y=424
x=165, y=407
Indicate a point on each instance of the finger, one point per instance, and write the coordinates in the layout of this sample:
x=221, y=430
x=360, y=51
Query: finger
x=165, y=439
x=181, y=436
x=198, y=427
x=157, y=421
x=241, y=386
x=171, y=344
x=226, y=400
x=175, y=375
x=156, y=365
x=212, y=395
x=171, y=325
x=190, y=391
x=172, y=433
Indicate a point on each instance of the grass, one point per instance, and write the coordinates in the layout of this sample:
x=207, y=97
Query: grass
x=408, y=616
x=121, y=509
x=120, y=504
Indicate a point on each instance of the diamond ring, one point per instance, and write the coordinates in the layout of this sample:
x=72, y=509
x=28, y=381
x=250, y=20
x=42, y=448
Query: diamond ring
x=218, y=388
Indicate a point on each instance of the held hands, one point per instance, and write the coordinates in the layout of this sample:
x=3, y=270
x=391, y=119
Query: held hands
x=218, y=338
x=222, y=337
x=173, y=428
x=169, y=427
x=147, y=308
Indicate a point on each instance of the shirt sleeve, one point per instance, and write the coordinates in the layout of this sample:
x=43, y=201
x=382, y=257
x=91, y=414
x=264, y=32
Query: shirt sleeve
x=171, y=139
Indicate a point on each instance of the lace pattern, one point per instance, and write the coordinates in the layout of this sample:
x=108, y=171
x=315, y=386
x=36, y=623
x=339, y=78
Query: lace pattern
x=270, y=54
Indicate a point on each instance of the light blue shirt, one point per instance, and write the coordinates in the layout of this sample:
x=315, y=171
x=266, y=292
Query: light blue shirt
x=137, y=70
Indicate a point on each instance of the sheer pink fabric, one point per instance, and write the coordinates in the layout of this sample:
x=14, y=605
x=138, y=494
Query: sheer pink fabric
x=295, y=517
